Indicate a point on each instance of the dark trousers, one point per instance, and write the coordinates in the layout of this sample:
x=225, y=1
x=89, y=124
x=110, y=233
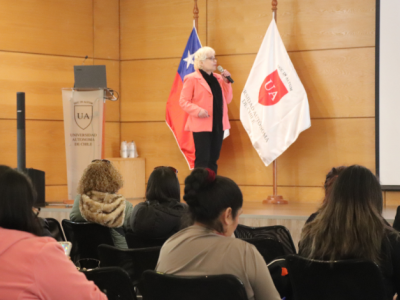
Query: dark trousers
x=208, y=146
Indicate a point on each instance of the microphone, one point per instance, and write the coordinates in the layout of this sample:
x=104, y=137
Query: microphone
x=86, y=57
x=221, y=69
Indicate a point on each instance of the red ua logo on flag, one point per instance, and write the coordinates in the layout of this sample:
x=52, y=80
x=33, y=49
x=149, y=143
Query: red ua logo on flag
x=272, y=90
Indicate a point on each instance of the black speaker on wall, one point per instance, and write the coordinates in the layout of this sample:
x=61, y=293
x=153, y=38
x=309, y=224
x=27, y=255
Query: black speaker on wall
x=37, y=176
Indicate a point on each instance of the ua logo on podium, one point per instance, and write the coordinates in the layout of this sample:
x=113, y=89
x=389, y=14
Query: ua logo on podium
x=83, y=115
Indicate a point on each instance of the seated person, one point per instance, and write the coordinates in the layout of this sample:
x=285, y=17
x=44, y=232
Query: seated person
x=160, y=216
x=329, y=180
x=33, y=267
x=98, y=202
x=207, y=248
x=350, y=226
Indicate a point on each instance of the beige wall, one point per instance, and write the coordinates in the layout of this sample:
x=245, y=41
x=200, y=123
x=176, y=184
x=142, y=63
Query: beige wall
x=40, y=42
x=331, y=44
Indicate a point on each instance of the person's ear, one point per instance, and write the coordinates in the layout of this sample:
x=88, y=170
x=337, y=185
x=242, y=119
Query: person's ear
x=227, y=218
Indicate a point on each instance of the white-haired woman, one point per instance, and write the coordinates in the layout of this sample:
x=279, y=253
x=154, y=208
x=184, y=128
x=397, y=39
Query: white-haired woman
x=205, y=97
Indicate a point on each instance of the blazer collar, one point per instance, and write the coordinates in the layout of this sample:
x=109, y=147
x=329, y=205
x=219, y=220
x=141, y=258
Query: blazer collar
x=203, y=82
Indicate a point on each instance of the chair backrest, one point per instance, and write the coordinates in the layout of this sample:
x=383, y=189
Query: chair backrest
x=85, y=238
x=278, y=232
x=157, y=286
x=55, y=229
x=114, y=282
x=135, y=241
x=270, y=249
x=344, y=280
x=133, y=261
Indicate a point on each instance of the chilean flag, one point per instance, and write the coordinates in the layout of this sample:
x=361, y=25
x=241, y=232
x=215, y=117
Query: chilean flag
x=175, y=116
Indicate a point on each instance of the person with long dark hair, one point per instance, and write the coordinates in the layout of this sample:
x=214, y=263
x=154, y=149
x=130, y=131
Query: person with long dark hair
x=161, y=215
x=350, y=226
x=31, y=266
x=329, y=180
x=207, y=247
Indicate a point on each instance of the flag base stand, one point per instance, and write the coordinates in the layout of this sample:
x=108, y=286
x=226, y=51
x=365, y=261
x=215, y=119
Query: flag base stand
x=276, y=199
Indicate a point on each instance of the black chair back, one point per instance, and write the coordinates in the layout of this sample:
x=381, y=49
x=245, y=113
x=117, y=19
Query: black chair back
x=344, y=280
x=270, y=249
x=55, y=229
x=157, y=286
x=133, y=261
x=278, y=232
x=135, y=241
x=85, y=238
x=114, y=282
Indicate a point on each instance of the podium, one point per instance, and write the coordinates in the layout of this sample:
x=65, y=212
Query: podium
x=84, y=131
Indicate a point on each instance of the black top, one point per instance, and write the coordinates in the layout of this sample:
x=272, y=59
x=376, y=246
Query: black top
x=390, y=261
x=154, y=219
x=217, y=99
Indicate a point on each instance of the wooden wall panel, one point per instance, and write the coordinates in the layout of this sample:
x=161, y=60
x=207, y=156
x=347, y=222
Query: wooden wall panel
x=239, y=160
x=56, y=193
x=41, y=78
x=299, y=194
x=339, y=83
x=63, y=27
x=328, y=143
x=113, y=138
x=113, y=82
x=144, y=94
x=106, y=29
x=238, y=26
x=157, y=145
x=392, y=198
x=158, y=28
x=45, y=147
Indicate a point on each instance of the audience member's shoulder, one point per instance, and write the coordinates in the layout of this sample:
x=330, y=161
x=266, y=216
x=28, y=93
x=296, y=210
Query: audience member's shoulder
x=24, y=240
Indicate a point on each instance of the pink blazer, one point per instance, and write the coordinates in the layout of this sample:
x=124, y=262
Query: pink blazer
x=196, y=94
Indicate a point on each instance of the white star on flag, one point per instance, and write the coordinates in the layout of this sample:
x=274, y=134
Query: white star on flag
x=189, y=59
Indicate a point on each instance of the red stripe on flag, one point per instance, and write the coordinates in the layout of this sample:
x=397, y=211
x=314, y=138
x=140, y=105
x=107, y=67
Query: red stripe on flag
x=176, y=119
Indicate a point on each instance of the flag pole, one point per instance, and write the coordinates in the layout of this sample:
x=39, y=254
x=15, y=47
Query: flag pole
x=196, y=16
x=275, y=198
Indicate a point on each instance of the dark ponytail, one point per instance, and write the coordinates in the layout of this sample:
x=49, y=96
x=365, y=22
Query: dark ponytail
x=208, y=195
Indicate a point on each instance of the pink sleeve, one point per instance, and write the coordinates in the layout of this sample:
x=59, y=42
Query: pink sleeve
x=56, y=277
x=185, y=101
x=228, y=92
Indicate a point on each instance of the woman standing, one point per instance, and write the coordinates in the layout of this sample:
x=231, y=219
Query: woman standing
x=205, y=97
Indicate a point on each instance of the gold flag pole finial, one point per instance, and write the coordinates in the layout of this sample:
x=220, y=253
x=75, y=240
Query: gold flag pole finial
x=274, y=9
x=196, y=16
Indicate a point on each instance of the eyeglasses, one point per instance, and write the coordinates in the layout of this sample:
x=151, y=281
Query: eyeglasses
x=171, y=168
x=101, y=160
x=212, y=58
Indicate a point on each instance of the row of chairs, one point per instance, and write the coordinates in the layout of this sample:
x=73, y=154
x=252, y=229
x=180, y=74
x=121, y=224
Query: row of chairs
x=309, y=279
x=271, y=241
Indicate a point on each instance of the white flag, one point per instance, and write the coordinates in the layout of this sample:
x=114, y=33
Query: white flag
x=273, y=106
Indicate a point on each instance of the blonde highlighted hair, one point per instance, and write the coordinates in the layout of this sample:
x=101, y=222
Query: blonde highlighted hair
x=201, y=55
x=100, y=176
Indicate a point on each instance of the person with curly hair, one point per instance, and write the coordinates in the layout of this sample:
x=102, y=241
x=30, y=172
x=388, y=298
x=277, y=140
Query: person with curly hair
x=98, y=201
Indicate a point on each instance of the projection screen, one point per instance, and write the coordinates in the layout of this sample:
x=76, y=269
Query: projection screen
x=387, y=94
